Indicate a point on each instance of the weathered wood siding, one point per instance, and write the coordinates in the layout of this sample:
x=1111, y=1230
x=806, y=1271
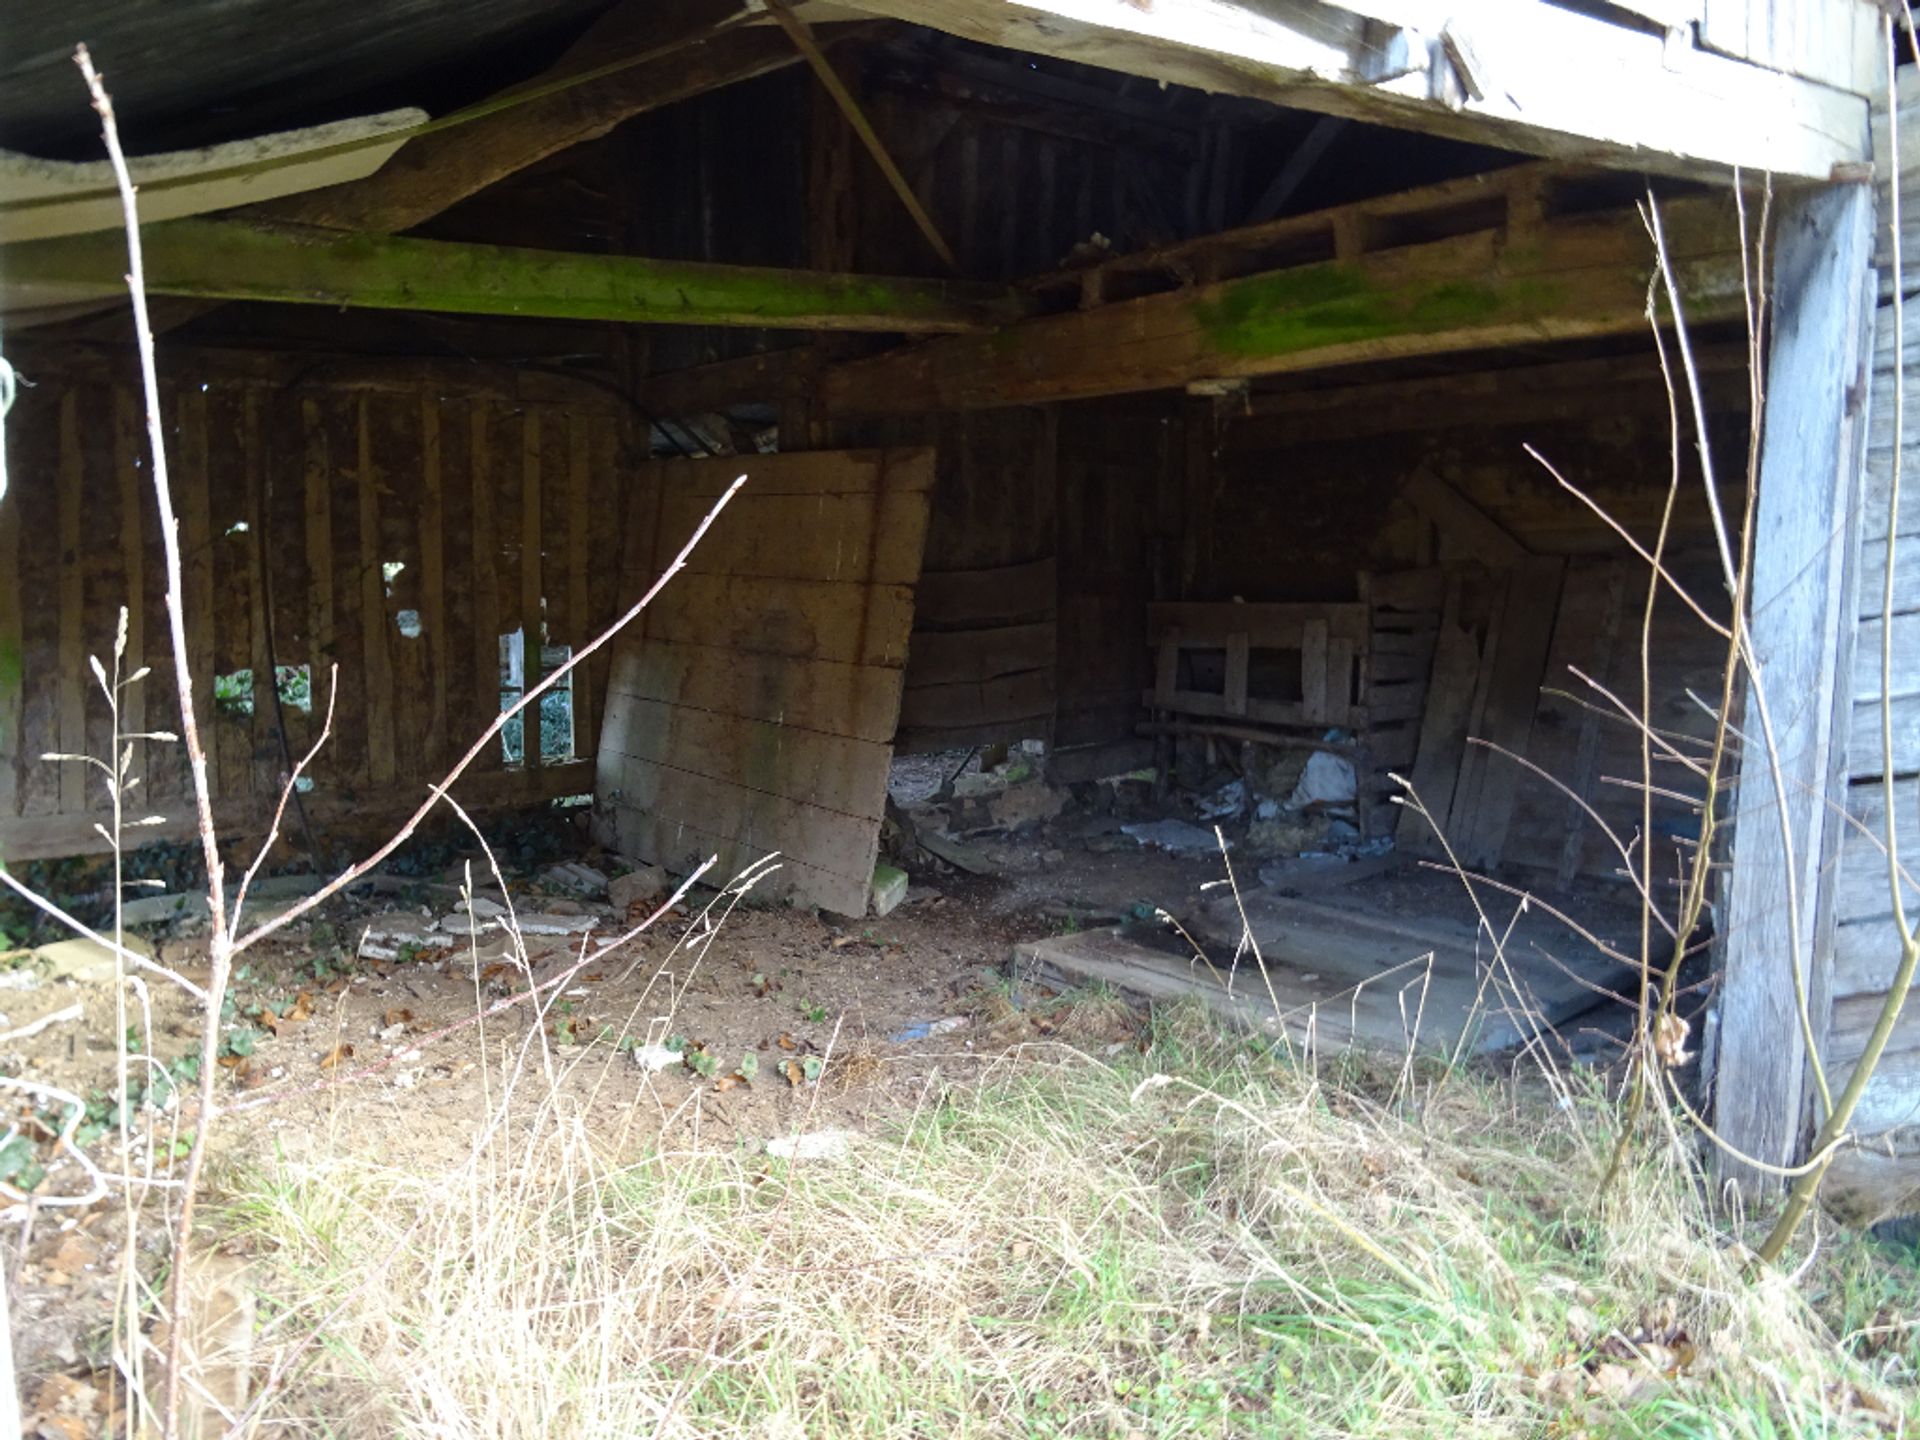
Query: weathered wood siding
x=300, y=483
x=1866, y=944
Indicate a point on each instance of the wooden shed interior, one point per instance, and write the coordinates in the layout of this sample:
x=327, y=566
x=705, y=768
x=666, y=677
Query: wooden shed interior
x=1185, y=431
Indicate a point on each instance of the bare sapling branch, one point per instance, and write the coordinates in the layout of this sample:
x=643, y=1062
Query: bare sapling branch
x=223, y=927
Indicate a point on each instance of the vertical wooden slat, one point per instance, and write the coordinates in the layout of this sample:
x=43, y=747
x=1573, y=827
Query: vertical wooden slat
x=319, y=545
x=264, y=745
x=1315, y=692
x=196, y=563
x=533, y=630
x=74, y=674
x=374, y=623
x=579, y=565
x=486, y=589
x=1339, y=682
x=228, y=734
x=12, y=652
x=433, y=578
x=1804, y=601
x=1166, y=669
x=1235, y=687
x=133, y=575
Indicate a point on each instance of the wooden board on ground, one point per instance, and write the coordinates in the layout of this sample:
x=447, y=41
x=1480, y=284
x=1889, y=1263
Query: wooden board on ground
x=722, y=736
x=1394, y=959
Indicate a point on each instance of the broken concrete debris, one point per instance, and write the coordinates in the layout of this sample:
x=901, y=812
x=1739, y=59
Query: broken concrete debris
x=889, y=888
x=927, y=1029
x=389, y=935
x=648, y=885
x=85, y=961
x=820, y=1145
x=1176, y=836
x=580, y=879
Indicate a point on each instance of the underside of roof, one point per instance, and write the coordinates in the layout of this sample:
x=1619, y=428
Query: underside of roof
x=188, y=73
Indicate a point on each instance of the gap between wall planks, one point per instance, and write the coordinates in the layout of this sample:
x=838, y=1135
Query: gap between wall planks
x=338, y=470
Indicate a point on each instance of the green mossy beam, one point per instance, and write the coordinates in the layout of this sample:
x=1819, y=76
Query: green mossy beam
x=1570, y=277
x=231, y=260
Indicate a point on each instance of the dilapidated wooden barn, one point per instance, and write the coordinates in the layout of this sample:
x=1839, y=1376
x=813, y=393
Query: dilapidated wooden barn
x=1114, y=374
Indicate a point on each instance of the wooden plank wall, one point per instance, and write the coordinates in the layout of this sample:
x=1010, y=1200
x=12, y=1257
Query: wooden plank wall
x=752, y=707
x=1865, y=942
x=981, y=663
x=1122, y=498
x=297, y=480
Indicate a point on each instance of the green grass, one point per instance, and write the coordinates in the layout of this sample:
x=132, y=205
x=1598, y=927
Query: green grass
x=1200, y=1241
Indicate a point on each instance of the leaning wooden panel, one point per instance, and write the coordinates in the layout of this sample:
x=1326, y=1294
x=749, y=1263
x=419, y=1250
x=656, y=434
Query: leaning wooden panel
x=751, y=709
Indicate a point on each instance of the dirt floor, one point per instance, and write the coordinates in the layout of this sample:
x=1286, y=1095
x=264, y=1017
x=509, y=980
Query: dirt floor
x=730, y=1025
x=763, y=1022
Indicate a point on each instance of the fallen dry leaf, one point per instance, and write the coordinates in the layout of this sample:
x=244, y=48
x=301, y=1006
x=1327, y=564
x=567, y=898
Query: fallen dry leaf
x=399, y=1015
x=795, y=1075
x=786, y=1041
x=342, y=1051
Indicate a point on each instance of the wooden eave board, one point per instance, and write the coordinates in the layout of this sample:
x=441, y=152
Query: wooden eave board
x=41, y=199
x=751, y=709
x=1554, y=81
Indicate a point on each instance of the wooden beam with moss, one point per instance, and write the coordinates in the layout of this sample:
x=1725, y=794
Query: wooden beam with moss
x=1388, y=293
x=230, y=260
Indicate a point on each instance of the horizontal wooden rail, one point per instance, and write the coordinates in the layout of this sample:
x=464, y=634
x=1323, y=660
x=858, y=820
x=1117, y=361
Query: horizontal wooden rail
x=229, y=260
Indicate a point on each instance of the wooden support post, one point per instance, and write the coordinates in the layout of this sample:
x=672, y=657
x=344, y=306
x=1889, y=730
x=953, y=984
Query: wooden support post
x=229, y=260
x=1803, y=587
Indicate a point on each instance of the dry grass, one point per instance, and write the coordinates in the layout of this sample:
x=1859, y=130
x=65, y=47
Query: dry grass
x=1199, y=1241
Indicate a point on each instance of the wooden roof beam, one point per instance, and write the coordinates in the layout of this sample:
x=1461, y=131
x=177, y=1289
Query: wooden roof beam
x=229, y=260
x=683, y=49
x=1544, y=80
x=1425, y=284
